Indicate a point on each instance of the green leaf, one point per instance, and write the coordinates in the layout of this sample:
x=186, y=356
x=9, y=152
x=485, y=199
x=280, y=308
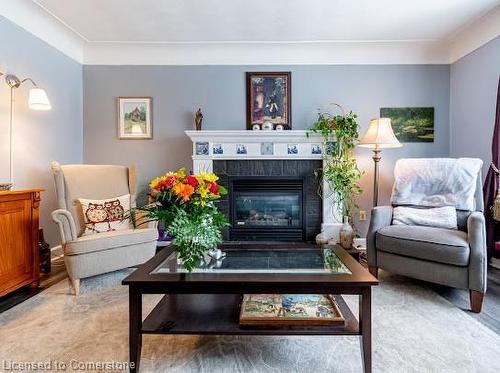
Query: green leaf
x=340, y=170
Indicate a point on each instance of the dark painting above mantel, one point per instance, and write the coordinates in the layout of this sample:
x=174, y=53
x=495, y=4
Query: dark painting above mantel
x=269, y=98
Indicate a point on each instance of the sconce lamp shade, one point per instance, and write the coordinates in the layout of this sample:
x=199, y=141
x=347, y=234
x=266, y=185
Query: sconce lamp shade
x=380, y=135
x=38, y=99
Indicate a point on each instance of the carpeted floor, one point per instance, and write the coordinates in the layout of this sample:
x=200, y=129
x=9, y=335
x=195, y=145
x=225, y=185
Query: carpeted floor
x=415, y=330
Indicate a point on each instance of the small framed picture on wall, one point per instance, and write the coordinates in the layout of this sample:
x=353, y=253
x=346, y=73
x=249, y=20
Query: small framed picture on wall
x=135, y=118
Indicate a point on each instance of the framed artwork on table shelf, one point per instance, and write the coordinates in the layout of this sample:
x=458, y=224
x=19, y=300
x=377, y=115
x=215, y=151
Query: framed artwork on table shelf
x=269, y=98
x=290, y=309
x=135, y=120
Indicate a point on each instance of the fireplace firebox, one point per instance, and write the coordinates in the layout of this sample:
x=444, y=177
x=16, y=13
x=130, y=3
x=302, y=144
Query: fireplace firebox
x=267, y=209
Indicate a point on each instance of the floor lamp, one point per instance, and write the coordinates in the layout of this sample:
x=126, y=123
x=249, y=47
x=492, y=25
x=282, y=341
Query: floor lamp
x=37, y=100
x=379, y=136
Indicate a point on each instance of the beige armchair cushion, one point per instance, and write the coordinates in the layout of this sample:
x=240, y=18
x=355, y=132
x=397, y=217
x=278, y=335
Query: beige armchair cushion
x=91, y=182
x=110, y=240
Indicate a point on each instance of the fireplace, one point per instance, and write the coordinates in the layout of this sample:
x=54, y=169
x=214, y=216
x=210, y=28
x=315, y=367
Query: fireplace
x=271, y=200
x=264, y=208
x=286, y=154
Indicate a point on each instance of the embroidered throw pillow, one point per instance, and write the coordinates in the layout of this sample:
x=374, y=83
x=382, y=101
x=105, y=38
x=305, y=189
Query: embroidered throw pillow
x=111, y=214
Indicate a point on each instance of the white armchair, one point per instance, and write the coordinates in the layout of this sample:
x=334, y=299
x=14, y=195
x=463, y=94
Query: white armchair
x=95, y=254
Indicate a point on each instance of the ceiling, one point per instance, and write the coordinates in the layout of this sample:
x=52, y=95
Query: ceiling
x=264, y=20
x=264, y=32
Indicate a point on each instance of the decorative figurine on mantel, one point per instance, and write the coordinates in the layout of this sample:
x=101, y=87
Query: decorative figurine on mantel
x=198, y=119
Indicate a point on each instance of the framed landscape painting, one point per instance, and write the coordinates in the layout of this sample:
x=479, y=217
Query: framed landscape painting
x=411, y=124
x=269, y=98
x=135, y=118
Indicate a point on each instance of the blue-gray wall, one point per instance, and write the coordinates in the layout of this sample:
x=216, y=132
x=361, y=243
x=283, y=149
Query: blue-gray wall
x=474, y=81
x=178, y=91
x=39, y=136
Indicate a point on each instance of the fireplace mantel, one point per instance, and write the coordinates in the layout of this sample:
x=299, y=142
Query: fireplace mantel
x=206, y=144
x=246, y=145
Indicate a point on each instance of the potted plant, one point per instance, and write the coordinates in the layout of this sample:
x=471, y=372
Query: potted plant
x=340, y=170
x=185, y=205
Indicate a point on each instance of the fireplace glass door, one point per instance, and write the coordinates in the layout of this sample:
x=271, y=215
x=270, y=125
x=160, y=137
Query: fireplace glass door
x=267, y=209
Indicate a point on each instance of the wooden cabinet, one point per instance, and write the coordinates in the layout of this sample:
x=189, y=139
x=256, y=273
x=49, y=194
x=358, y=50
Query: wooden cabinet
x=19, y=212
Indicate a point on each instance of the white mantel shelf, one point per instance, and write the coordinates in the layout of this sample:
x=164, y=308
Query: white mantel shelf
x=253, y=136
x=209, y=146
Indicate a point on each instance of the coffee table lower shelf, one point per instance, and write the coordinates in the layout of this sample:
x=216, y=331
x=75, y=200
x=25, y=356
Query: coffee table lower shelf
x=218, y=314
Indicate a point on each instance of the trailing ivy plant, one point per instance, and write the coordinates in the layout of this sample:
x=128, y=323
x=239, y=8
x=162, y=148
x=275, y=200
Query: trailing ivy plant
x=340, y=170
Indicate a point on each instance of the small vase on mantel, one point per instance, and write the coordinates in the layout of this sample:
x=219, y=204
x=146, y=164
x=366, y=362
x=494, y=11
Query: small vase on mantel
x=346, y=234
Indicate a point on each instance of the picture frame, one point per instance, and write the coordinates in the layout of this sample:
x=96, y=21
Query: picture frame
x=411, y=124
x=290, y=309
x=135, y=118
x=269, y=98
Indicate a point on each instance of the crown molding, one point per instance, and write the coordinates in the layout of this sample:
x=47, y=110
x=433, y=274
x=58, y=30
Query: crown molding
x=41, y=24
x=266, y=53
x=474, y=35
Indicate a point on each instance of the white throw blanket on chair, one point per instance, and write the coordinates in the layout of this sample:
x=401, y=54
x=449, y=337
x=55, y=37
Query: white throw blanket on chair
x=436, y=182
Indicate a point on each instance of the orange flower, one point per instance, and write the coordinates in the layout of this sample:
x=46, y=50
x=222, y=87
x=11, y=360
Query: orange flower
x=184, y=191
x=164, y=182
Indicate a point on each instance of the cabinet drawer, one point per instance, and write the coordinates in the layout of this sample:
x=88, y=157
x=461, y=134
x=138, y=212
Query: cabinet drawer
x=16, y=243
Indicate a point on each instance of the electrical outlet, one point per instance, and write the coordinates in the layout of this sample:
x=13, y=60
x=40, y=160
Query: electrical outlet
x=362, y=215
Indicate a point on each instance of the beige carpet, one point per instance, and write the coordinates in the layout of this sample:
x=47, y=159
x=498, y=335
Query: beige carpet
x=415, y=330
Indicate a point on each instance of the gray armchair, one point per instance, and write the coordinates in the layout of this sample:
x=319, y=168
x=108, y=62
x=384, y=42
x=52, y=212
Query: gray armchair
x=455, y=258
x=95, y=254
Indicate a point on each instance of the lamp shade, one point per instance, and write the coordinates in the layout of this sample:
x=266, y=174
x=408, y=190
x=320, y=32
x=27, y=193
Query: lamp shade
x=38, y=99
x=380, y=135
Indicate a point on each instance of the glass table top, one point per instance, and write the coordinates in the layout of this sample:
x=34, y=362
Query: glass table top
x=297, y=261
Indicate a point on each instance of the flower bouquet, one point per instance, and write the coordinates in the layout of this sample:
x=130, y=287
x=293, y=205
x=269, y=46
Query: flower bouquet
x=185, y=204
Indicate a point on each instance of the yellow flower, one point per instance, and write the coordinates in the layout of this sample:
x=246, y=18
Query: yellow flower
x=203, y=189
x=155, y=182
x=181, y=172
x=209, y=176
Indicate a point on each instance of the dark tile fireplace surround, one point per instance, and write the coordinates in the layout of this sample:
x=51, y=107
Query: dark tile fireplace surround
x=270, y=200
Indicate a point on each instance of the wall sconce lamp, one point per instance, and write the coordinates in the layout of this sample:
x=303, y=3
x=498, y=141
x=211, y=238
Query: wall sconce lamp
x=37, y=100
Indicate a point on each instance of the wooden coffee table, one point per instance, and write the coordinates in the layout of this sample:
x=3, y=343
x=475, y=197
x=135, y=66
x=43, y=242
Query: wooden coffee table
x=208, y=300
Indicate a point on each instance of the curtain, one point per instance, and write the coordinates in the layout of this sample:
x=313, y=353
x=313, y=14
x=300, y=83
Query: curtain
x=491, y=185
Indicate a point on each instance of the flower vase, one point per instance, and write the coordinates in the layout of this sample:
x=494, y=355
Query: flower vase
x=346, y=234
